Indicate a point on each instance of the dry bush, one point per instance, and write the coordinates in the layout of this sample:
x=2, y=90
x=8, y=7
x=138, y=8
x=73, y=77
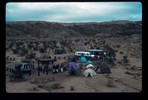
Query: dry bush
x=110, y=83
x=72, y=88
x=56, y=86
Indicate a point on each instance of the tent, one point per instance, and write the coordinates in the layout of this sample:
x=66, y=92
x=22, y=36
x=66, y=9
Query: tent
x=89, y=66
x=104, y=68
x=89, y=62
x=83, y=60
x=73, y=64
x=90, y=72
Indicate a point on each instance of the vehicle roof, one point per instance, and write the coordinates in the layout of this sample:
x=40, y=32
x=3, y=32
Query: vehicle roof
x=81, y=52
x=24, y=63
x=95, y=50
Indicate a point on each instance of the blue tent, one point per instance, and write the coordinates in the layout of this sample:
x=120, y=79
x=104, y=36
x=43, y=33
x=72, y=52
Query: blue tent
x=83, y=60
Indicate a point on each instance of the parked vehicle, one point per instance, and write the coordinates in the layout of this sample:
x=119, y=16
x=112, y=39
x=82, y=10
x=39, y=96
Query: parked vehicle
x=94, y=52
x=25, y=67
x=80, y=53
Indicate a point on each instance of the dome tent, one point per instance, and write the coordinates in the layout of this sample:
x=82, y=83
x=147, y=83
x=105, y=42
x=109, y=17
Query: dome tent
x=90, y=72
x=83, y=59
x=89, y=62
x=89, y=66
x=104, y=68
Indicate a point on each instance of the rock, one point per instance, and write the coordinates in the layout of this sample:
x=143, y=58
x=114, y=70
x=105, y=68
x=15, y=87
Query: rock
x=45, y=81
x=72, y=88
x=56, y=86
x=33, y=89
x=110, y=83
x=32, y=80
x=40, y=85
x=130, y=73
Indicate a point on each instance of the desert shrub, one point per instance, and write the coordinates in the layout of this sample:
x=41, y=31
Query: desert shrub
x=111, y=61
x=86, y=43
x=42, y=50
x=110, y=83
x=30, y=56
x=118, y=46
x=121, y=52
x=30, y=46
x=60, y=51
x=15, y=51
x=72, y=88
x=23, y=52
x=11, y=45
x=125, y=60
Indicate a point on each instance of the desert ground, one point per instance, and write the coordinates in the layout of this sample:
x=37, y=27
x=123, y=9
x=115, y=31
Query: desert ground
x=124, y=78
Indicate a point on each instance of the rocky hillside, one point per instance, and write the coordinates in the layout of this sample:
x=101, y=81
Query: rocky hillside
x=43, y=29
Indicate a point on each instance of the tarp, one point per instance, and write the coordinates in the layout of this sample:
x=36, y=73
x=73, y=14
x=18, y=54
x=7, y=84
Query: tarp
x=90, y=72
x=104, y=68
x=83, y=60
x=89, y=66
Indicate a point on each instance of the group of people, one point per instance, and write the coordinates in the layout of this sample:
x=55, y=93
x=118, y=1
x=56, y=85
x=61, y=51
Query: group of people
x=56, y=68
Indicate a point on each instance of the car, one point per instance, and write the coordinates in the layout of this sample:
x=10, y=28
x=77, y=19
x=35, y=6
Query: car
x=25, y=67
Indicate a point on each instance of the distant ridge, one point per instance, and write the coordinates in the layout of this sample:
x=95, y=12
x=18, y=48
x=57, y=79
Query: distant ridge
x=43, y=29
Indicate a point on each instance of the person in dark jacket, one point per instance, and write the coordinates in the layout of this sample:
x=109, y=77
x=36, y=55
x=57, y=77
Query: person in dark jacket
x=55, y=68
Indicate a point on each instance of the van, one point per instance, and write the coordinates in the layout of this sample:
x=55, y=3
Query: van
x=79, y=53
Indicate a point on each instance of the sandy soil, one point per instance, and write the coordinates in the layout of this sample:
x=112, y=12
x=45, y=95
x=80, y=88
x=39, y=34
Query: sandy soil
x=121, y=81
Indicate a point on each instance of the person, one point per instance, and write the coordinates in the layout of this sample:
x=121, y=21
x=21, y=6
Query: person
x=13, y=58
x=62, y=68
x=40, y=68
x=33, y=63
x=55, y=68
x=49, y=57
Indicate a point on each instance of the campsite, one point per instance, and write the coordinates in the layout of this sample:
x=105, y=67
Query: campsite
x=124, y=65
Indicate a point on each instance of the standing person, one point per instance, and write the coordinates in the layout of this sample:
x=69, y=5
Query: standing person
x=55, y=68
x=40, y=68
x=33, y=63
x=29, y=71
x=49, y=57
x=62, y=68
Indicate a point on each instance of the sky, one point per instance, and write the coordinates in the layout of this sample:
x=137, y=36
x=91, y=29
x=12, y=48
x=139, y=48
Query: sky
x=74, y=11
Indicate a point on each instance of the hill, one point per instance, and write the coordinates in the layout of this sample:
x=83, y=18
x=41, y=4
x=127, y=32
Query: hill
x=42, y=29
